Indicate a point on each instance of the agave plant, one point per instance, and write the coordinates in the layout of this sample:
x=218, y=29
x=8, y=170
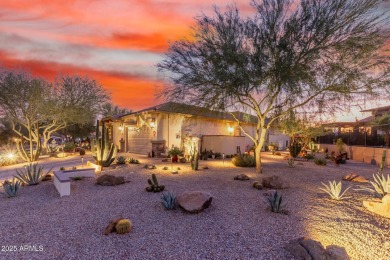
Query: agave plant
x=334, y=190
x=11, y=188
x=31, y=175
x=121, y=160
x=276, y=203
x=381, y=185
x=291, y=162
x=168, y=200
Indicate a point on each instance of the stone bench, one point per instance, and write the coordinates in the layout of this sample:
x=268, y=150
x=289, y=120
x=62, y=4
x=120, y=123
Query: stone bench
x=62, y=179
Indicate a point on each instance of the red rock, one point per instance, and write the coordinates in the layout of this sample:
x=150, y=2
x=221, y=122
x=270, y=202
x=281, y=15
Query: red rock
x=194, y=201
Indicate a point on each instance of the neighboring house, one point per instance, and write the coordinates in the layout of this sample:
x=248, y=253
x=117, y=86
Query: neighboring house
x=171, y=124
x=360, y=132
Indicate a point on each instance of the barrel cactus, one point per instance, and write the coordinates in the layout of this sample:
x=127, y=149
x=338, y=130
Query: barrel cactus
x=123, y=226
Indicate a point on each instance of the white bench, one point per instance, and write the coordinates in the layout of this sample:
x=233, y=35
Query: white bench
x=62, y=179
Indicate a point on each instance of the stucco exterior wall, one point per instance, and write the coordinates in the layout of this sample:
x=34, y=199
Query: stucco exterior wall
x=222, y=135
x=361, y=153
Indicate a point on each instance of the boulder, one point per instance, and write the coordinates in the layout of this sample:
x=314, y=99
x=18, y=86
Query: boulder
x=241, y=177
x=194, y=201
x=109, y=180
x=257, y=185
x=296, y=250
x=307, y=249
x=336, y=253
x=111, y=227
x=314, y=248
x=274, y=182
x=268, y=193
x=379, y=206
x=354, y=177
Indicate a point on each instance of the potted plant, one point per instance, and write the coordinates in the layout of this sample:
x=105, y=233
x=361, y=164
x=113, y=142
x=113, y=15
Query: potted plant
x=174, y=153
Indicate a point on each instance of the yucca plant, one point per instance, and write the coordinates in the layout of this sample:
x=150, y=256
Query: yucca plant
x=381, y=185
x=276, y=203
x=31, y=174
x=168, y=200
x=335, y=190
x=11, y=188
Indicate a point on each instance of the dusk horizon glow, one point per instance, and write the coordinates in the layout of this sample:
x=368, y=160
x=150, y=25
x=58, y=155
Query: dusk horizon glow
x=117, y=43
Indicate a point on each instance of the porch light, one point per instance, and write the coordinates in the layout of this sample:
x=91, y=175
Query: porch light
x=230, y=129
x=153, y=123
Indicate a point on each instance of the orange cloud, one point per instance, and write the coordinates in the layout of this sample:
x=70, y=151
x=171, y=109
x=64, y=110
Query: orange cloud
x=131, y=91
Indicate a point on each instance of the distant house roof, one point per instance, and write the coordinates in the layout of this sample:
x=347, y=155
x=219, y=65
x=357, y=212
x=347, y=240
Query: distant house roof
x=180, y=108
x=385, y=108
x=362, y=122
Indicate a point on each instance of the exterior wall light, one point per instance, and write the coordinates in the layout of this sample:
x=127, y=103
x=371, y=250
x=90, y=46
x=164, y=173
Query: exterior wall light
x=230, y=130
x=153, y=123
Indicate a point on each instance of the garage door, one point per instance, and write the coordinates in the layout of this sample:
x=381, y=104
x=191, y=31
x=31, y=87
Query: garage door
x=139, y=141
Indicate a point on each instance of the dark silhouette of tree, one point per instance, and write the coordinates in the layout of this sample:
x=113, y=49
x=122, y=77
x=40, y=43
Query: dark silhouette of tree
x=315, y=55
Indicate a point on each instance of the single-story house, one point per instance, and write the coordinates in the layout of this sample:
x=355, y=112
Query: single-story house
x=163, y=126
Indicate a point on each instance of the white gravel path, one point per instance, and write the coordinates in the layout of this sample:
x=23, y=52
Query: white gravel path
x=236, y=226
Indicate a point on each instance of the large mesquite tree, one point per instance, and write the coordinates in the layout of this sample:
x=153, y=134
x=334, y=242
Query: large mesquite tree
x=290, y=55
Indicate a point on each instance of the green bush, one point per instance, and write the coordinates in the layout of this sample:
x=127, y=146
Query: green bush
x=319, y=161
x=295, y=149
x=244, y=160
x=69, y=147
x=309, y=157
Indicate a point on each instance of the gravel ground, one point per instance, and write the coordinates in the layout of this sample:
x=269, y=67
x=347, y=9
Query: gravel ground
x=38, y=224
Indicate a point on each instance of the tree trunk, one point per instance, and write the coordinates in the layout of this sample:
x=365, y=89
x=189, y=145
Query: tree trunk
x=259, y=168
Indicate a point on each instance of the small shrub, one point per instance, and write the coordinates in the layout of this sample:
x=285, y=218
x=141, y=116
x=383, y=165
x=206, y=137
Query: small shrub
x=340, y=145
x=309, y=157
x=380, y=185
x=165, y=168
x=133, y=161
x=153, y=167
x=62, y=168
x=31, y=175
x=218, y=155
x=77, y=178
x=278, y=154
x=146, y=166
x=74, y=168
x=319, y=161
x=334, y=190
x=11, y=188
x=69, y=147
x=178, y=168
x=168, y=200
x=121, y=160
x=276, y=203
x=295, y=149
x=244, y=160
x=82, y=151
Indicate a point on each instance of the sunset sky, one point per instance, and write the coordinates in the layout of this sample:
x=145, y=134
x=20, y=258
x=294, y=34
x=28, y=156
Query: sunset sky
x=116, y=42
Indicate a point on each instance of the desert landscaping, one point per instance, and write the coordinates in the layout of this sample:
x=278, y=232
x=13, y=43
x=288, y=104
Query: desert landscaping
x=237, y=225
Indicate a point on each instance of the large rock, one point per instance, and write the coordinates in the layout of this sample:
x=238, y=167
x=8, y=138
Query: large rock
x=241, y=177
x=109, y=180
x=274, y=182
x=314, y=248
x=297, y=251
x=379, y=206
x=337, y=253
x=194, y=201
x=307, y=249
x=354, y=177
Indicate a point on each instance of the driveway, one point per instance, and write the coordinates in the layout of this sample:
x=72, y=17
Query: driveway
x=48, y=162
